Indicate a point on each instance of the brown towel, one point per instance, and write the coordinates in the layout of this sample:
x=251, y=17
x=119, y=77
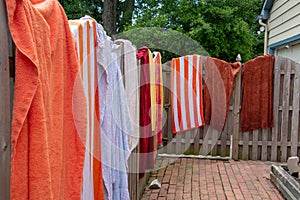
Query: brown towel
x=257, y=100
x=219, y=84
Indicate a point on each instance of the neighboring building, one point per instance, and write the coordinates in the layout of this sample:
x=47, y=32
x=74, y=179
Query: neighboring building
x=282, y=20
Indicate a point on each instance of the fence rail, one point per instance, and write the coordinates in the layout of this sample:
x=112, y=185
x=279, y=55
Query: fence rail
x=272, y=144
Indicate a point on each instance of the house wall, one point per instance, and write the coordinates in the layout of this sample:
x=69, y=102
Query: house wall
x=284, y=20
x=289, y=51
x=284, y=29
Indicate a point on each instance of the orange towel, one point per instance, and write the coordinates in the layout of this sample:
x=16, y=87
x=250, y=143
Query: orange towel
x=49, y=107
x=257, y=100
x=219, y=85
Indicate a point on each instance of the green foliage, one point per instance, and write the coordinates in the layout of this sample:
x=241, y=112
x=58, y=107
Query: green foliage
x=76, y=9
x=223, y=27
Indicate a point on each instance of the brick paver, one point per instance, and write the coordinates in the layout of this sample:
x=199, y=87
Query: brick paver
x=191, y=178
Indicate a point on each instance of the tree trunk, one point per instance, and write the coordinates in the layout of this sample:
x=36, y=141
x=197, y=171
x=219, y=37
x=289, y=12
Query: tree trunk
x=109, y=16
x=128, y=11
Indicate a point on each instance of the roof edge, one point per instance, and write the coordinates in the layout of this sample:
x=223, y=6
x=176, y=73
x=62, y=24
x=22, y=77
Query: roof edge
x=265, y=11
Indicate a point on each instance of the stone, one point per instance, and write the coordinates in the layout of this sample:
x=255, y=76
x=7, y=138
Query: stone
x=155, y=184
x=293, y=165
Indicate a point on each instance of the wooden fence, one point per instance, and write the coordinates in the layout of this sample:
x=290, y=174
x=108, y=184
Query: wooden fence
x=5, y=106
x=274, y=144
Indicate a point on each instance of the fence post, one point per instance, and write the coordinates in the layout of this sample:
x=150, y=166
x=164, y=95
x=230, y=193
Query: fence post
x=236, y=112
x=5, y=144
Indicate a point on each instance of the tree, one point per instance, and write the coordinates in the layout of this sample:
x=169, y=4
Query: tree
x=223, y=27
x=113, y=14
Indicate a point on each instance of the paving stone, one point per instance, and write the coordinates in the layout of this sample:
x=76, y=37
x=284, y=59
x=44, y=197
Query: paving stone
x=211, y=179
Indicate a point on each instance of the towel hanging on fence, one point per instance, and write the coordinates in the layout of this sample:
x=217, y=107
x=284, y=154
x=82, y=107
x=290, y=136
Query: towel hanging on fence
x=49, y=118
x=146, y=141
x=156, y=89
x=219, y=85
x=186, y=93
x=257, y=99
x=84, y=31
x=159, y=97
x=114, y=118
x=131, y=83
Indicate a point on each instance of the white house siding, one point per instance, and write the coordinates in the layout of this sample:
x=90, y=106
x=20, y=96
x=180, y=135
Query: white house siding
x=290, y=51
x=284, y=20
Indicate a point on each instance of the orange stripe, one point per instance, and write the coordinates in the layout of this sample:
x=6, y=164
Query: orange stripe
x=186, y=91
x=80, y=38
x=178, y=93
x=195, y=89
x=200, y=87
x=95, y=33
x=172, y=94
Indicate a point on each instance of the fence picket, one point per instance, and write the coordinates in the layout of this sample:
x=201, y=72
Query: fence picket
x=285, y=109
x=295, y=116
x=245, y=145
x=276, y=91
x=5, y=114
x=264, y=153
x=254, y=144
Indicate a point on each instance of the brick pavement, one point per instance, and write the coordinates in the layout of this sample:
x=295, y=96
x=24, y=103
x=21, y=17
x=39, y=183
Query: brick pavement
x=191, y=178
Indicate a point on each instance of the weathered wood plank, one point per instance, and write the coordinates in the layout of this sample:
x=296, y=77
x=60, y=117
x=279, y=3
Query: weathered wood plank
x=245, y=146
x=236, y=115
x=169, y=129
x=178, y=138
x=223, y=139
x=254, y=144
x=187, y=143
x=295, y=115
x=276, y=92
x=264, y=149
x=196, y=141
x=285, y=111
x=214, y=141
x=5, y=113
x=204, y=150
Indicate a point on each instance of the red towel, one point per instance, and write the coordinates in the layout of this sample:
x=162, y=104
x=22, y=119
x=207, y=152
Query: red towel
x=146, y=141
x=257, y=100
x=48, y=151
x=219, y=85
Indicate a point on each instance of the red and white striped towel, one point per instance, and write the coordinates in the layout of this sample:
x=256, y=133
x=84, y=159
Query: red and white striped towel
x=186, y=93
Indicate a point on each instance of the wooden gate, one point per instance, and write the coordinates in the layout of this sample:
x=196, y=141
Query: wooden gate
x=274, y=144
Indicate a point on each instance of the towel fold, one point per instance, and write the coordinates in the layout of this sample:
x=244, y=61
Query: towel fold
x=131, y=83
x=219, y=85
x=146, y=141
x=257, y=99
x=49, y=115
x=159, y=97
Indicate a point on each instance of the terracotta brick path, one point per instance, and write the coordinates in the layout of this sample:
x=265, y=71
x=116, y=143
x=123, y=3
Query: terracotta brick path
x=190, y=178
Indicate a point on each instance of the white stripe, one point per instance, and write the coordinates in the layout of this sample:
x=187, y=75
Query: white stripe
x=175, y=106
x=74, y=30
x=88, y=167
x=198, y=92
x=92, y=74
x=182, y=94
x=190, y=91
